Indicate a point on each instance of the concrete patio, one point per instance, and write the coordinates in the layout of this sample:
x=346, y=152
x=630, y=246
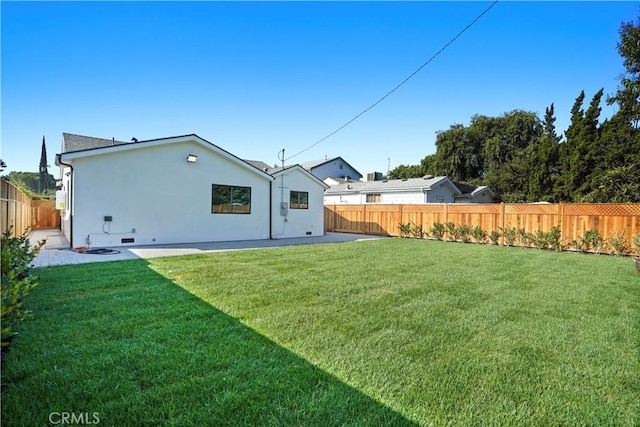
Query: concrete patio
x=57, y=251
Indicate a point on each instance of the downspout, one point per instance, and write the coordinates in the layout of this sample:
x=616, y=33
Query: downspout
x=59, y=161
x=271, y=210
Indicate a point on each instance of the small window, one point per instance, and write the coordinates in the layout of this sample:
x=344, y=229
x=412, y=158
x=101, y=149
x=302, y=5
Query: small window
x=299, y=200
x=230, y=199
x=374, y=198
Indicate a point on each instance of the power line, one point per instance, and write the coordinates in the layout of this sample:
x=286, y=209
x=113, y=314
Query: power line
x=399, y=84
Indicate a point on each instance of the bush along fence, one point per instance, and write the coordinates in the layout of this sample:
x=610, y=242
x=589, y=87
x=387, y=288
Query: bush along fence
x=596, y=228
x=17, y=281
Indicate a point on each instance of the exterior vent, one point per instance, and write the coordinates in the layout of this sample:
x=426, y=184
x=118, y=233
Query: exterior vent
x=427, y=177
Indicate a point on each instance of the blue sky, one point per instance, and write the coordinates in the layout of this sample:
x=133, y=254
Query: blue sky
x=257, y=77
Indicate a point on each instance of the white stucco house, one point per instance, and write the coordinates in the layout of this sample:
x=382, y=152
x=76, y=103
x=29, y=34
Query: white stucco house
x=429, y=189
x=178, y=190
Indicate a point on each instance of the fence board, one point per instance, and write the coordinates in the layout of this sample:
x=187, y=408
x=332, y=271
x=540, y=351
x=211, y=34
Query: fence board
x=574, y=220
x=44, y=214
x=17, y=210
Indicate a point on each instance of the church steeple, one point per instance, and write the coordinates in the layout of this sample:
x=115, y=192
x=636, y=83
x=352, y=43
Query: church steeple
x=44, y=173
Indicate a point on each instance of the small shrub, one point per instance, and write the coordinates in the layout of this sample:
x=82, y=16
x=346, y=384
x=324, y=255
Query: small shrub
x=494, y=236
x=405, y=229
x=555, y=239
x=416, y=230
x=478, y=234
x=541, y=239
x=463, y=233
x=636, y=242
x=510, y=235
x=594, y=241
x=451, y=231
x=437, y=230
x=578, y=245
x=17, y=281
x=619, y=244
x=525, y=239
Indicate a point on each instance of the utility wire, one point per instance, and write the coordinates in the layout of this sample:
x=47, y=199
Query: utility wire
x=399, y=84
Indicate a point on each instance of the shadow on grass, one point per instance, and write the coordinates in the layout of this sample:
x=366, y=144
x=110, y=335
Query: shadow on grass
x=128, y=346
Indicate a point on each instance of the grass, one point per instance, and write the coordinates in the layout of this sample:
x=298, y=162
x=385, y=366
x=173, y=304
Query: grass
x=387, y=332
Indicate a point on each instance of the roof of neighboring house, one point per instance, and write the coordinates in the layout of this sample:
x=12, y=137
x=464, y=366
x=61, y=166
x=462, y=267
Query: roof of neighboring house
x=389, y=185
x=465, y=189
x=72, y=143
x=315, y=163
x=411, y=184
x=469, y=191
x=259, y=164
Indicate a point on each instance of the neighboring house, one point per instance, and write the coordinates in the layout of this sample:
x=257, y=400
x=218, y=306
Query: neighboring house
x=178, y=190
x=335, y=168
x=428, y=189
x=472, y=194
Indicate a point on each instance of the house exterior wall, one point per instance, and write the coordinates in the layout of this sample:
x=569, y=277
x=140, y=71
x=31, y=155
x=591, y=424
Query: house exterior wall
x=440, y=194
x=162, y=197
x=297, y=222
x=403, y=197
x=337, y=168
x=398, y=197
x=343, y=199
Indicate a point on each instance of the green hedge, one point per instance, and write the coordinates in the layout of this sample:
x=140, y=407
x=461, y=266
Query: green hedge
x=17, y=282
x=592, y=241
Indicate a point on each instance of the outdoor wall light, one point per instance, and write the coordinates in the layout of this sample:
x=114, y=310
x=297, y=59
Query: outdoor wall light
x=191, y=158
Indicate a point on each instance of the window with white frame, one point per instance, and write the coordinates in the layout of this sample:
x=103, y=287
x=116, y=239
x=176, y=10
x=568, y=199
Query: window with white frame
x=374, y=198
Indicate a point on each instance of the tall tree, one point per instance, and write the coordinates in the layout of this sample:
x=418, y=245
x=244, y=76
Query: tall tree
x=628, y=94
x=514, y=136
x=542, y=161
x=570, y=158
x=590, y=148
x=458, y=153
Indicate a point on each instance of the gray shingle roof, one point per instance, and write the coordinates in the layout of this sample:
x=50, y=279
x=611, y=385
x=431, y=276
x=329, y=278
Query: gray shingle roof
x=72, y=142
x=386, y=185
x=258, y=164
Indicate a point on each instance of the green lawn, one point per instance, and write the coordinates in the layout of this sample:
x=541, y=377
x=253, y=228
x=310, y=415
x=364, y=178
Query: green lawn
x=384, y=332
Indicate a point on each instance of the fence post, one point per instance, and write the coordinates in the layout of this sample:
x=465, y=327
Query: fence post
x=446, y=213
x=561, y=221
x=363, y=226
x=502, y=220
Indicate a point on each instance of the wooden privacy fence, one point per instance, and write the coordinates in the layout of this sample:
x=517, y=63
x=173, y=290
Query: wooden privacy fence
x=44, y=214
x=17, y=210
x=574, y=220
